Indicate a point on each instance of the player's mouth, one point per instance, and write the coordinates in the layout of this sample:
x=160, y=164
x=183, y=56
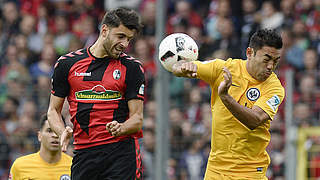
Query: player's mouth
x=55, y=143
x=119, y=49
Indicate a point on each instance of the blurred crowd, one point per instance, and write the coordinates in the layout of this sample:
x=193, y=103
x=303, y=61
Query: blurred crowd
x=34, y=33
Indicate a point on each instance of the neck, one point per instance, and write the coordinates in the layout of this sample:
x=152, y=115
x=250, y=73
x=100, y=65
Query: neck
x=248, y=67
x=97, y=49
x=50, y=156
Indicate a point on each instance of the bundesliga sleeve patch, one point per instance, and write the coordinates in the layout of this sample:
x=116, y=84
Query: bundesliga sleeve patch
x=141, y=89
x=274, y=102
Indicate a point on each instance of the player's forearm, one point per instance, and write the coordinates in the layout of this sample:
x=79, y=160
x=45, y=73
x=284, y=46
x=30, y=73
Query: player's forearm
x=245, y=115
x=132, y=125
x=55, y=121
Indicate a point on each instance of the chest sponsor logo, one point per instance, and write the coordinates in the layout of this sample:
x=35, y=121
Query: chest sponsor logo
x=274, y=102
x=116, y=74
x=98, y=92
x=65, y=177
x=253, y=94
x=82, y=74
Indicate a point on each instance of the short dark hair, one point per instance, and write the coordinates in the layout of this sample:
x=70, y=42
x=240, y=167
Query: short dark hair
x=43, y=120
x=127, y=17
x=265, y=37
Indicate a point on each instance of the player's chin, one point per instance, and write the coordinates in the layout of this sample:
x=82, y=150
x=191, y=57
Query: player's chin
x=115, y=56
x=55, y=146
x=116, y=53
x=265, y=77
x=262, y=77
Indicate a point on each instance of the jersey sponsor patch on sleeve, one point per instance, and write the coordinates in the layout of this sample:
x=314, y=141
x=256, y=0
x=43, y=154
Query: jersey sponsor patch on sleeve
x=141, y=89
x=274, y=102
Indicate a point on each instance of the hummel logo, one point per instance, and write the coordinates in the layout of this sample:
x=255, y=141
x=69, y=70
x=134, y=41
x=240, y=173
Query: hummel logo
x=235, y=85
x=82, y=74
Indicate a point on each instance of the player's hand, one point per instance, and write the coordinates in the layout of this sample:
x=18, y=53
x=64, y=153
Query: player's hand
x=65, y=138
x=185, y=69
x=225, y=85
x=114, y=128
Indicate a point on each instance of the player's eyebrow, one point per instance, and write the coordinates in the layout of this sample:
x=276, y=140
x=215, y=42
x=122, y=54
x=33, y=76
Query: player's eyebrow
x=270, y=57
x=124, y=34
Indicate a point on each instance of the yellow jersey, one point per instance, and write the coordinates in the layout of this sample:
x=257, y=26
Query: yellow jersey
x=34, y=167
x=235, y=149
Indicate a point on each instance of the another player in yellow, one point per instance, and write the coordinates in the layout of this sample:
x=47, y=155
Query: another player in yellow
x=47, y=164
x=245, y=97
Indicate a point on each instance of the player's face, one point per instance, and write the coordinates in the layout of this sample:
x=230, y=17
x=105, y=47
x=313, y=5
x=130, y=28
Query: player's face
x=117, y=40
x=49, y=140
x=263, y=62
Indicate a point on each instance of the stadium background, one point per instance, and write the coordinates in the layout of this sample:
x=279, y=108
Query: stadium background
x=34, y=33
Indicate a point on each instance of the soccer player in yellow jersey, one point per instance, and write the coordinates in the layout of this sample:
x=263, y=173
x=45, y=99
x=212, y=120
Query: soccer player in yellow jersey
x=47, y=164
x=245, y=97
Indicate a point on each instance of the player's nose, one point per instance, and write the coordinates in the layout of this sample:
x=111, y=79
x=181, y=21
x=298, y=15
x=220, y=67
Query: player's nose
x=270, y=65
x=124, y=44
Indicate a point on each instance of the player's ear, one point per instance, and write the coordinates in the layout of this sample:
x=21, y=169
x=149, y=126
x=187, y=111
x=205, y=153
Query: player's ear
x=249, y=52
x=104, y=30
x=39, y=136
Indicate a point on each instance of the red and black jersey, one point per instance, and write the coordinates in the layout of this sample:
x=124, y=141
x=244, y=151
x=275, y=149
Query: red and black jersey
x=98, y=91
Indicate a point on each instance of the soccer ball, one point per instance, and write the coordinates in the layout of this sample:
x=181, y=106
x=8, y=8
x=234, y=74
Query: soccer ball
x=175, y=47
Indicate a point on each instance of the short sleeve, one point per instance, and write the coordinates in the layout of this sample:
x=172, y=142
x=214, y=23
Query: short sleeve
x=209, y=70
x=271, y=100
x=60, y=84
x=135, y=81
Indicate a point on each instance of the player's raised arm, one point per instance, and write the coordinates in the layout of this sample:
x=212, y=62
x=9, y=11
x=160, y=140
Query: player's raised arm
x=183, y=68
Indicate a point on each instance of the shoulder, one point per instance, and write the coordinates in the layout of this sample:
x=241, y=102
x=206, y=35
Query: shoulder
x=228, y=61
x=73, y=57
x=66, y=157
x=129, y=59
x=234, y=62
x=130, y=62
x=23, y=160
x=273, y=83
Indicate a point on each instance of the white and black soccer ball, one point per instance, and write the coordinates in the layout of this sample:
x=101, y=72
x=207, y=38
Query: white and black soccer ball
x=175, y=47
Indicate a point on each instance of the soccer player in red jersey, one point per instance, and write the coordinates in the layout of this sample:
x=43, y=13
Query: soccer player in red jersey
x=105, y=91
